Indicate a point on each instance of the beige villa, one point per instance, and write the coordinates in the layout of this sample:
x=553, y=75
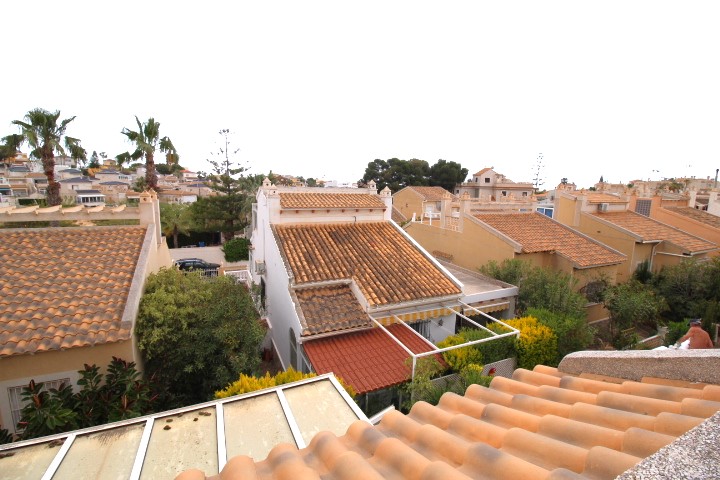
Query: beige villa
x=69, y=296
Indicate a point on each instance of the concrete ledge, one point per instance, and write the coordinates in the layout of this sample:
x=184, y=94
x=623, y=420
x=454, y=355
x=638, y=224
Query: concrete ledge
x=689, y=365
x=694, y=455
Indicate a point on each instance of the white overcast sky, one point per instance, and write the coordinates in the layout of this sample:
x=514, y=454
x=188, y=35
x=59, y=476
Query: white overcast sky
x=623, y=89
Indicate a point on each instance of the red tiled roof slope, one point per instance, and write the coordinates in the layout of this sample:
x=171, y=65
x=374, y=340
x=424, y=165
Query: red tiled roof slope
x=329, y=309
x=369, y=360
x=386, y=266
x=697, y=215
x=538, y=233
x=649, y=230
x=65, y=287
x=329, y=200
x=538, y=425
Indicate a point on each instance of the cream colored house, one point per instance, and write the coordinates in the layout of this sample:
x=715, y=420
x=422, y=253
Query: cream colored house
x=608, y=218
x=70, y=296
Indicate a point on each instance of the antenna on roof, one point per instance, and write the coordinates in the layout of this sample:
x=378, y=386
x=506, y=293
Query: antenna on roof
x=537, y=180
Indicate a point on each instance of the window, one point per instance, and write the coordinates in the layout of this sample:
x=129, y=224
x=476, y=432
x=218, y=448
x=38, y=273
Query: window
x=504, y=193
x=422, y=327
x=524, y=194
x=487, y=180
x=16, y=401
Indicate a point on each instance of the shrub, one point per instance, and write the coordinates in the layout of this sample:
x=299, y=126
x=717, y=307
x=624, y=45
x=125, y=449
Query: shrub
x=249, y=383
x=460, y=358
x=236, y=249
x=675, y=331
x=537, y=343
x=573, y=333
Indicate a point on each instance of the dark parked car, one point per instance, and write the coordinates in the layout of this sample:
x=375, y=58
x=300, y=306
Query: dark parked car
x=209, y=269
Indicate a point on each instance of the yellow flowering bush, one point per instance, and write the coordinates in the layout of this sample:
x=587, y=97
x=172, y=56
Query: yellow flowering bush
x=248, y=383
x=537, y=343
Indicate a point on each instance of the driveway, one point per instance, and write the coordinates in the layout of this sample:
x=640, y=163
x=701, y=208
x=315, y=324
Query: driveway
x=209, y=254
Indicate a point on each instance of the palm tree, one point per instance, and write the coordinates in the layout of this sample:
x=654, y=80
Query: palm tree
x=174, y=220
x=147, y=140
x=121, y=159
x=45, y=136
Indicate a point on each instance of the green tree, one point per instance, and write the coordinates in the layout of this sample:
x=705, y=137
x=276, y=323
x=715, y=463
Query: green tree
x=147, y=140
x=447, y=175
x=632, y=304
x=197, y=334
x=175, y=219
x=122, y=159
x=539, y=287
x=46, y=137
x=573, y=333
x=397, y=174
x=94, y=160
x=227, y=211
x=684, y=288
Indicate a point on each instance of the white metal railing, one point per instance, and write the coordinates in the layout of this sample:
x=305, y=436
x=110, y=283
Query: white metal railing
x=240, y=275
x=435, y=350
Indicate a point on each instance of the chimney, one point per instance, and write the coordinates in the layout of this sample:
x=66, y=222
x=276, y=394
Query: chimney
x=150, y=213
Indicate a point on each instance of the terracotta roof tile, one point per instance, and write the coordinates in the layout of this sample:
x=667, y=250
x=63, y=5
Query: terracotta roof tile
x=329, y=200
x=652, y=230
x=538, y=233
x=604, y=198
x=368, y=360
x=386, y=266
x=65, y=287
x=474, y=436
x=329, y=309
x=697, y=215
x=432, y=194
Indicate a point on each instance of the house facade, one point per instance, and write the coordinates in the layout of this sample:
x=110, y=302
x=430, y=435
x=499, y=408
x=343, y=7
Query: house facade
x=70, y=296
x=488, y=184
x=338, y=278
x=475, y=238
x=608, y=218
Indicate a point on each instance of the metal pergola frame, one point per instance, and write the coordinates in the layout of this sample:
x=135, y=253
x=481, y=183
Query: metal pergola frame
x=435, y=350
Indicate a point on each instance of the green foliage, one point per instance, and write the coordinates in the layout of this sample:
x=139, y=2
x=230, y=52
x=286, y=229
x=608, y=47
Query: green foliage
x=5, y=436
x=45, y=412
x=248, y=383
x=487, y=352
x=472, y=375
x=397, y=174
x=420, y=387
x=537, y=344
x=147, y=140
x=236, y=249
x=121, y=394
x=460, y=358
x=447, y=175
x=175, y=219
x=46, y=137
x=675, y=331
x=632, y=304
x=197, y=334
x=642, y=273
x=539, y=287
x=573, y=333
x=684, y=289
